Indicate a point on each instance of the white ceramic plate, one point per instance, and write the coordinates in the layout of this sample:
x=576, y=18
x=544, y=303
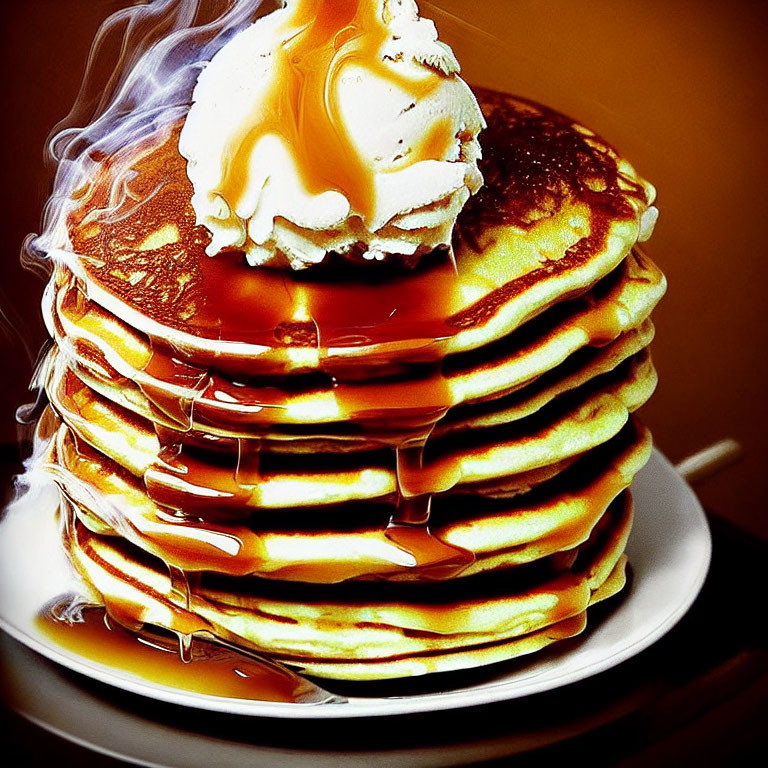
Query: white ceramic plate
x=669, y=551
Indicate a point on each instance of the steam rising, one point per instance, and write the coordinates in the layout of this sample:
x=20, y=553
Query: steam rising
x=140, y=73
x=160, y=49
x=34, y=519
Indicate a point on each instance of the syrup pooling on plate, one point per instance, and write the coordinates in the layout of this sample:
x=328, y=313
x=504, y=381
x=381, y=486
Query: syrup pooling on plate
x=189, y=657
x=208, y=668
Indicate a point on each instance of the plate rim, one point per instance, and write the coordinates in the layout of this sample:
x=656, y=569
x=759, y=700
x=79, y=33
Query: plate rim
x=487, y=693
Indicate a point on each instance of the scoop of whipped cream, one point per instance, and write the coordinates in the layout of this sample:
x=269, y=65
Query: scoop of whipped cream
x=332, y=125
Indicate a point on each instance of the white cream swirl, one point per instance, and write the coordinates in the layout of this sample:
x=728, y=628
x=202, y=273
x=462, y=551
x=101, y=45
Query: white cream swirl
x=381, y=156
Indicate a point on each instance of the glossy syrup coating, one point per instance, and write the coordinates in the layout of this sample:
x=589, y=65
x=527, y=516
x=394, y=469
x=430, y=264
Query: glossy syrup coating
x=380, y=340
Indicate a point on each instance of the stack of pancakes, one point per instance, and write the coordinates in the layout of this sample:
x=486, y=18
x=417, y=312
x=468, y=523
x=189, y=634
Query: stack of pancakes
x=363, y=470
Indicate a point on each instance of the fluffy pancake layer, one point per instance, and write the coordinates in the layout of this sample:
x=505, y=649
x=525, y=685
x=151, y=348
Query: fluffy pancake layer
x=370, y=630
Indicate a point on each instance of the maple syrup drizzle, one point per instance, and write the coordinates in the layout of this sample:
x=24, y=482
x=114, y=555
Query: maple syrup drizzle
x=603, y=322
x=332, y=311
x=302, y=106
x=395, y=305
x=180, y=594
x=207, y=667
x=169, y=367
x=409, y=526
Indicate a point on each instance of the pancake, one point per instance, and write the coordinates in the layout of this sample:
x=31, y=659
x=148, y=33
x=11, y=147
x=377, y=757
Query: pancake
x=363, y=471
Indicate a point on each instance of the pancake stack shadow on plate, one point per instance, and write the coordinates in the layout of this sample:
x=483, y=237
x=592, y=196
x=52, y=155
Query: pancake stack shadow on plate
x=363, y=470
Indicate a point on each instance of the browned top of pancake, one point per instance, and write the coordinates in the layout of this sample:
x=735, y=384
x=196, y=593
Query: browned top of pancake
x=535, y=162
x=134, y=195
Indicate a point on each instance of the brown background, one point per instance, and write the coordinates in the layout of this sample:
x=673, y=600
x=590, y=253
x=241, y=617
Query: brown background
x=679, y=87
